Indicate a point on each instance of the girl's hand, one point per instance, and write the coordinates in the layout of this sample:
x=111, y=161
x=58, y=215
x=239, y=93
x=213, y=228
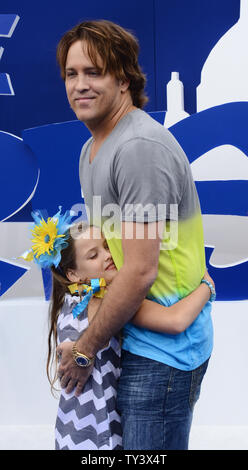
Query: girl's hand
x=208, y=278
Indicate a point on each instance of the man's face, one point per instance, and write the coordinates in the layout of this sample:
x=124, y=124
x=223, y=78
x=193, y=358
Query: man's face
x=92, y=96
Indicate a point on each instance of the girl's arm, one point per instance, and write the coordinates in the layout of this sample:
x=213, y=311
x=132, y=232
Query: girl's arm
x=176, y=318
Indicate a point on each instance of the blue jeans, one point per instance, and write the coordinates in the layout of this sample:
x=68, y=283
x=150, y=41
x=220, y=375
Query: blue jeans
x=156, y=403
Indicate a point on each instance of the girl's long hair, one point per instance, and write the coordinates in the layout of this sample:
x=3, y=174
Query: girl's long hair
x=59, y=288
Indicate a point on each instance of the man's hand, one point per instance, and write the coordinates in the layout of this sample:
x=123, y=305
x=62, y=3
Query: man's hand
x=70, y=374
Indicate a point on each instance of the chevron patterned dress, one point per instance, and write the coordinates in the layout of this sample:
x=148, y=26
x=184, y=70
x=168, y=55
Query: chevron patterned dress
x=90, y=421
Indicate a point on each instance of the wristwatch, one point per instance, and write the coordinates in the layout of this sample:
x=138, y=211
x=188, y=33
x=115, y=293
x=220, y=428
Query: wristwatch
x=81, y=359
x=212, y=289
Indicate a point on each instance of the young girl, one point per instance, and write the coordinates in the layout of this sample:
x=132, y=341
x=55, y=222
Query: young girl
x=91, y=421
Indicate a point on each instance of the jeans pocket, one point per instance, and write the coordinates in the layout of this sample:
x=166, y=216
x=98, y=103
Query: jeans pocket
x=196, y=381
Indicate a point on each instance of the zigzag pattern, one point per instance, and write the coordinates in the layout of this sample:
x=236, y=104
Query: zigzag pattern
x=90, y=421
x=66, y=420
x=66, y=443
x=100, y=409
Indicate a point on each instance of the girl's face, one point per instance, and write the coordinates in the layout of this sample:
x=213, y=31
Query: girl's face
x=93, y=258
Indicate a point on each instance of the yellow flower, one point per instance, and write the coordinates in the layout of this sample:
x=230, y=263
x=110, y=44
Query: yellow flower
x=45, y=235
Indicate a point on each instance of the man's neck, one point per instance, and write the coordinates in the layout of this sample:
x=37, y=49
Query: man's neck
x=101, y=130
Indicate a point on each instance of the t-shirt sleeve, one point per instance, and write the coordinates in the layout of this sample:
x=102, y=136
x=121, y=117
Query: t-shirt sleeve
x=147, y=181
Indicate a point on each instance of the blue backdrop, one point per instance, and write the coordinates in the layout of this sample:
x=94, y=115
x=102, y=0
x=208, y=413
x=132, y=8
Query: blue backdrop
x=173, y=35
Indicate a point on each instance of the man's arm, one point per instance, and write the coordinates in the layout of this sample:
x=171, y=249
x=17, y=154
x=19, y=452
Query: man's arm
x=125, y=294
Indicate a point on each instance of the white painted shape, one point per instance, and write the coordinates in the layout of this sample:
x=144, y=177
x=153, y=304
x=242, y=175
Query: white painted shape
x=25, y=391
x=15, y=238
x=14, y=263
x=218, y=438
x=224, y=76
x=12, y=28
x=35, y=185
x=223, y=399
x=41, y=437
x=175, y=101
x=11, y=93
x=225, y=162
x=1, y=52
x=228, y=235
x=13, y=135
x=27, y=200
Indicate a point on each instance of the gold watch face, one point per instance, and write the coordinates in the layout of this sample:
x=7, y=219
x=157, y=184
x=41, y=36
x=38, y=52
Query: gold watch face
x=82, y=361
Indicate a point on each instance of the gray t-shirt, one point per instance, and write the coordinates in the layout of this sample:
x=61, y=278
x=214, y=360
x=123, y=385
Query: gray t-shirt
x=143, y=175
x=139, y=166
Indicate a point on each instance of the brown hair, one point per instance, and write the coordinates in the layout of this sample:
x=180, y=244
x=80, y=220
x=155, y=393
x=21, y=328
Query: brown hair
x=118, y=49
x=59, y=288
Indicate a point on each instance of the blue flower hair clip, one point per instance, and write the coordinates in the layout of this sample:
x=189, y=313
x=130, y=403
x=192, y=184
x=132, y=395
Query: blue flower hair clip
x=49, y=238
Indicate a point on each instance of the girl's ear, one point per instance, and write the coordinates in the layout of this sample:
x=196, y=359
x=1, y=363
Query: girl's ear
x=72, y=276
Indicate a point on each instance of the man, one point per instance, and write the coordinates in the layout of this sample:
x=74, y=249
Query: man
x=132, y=162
